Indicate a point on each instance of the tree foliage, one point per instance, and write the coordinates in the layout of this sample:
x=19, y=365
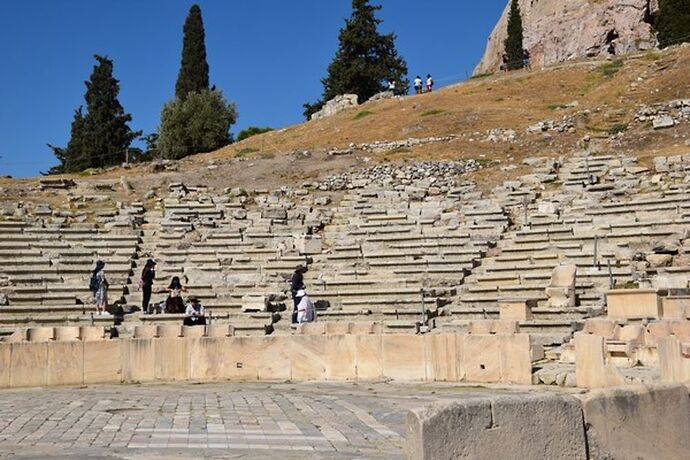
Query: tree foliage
x=365, y=61
x=193, y=75
x=200, y=123
x=673, y=22
x=252, y=131
x=100, y=136
x=513, y=42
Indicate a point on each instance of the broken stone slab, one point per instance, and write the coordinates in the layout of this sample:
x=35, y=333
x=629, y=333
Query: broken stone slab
x=662, y=122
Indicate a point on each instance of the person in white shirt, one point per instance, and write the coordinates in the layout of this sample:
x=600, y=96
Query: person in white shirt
x=306, y=313
x=194, y=315
x=418, y=85
x=391, y=85
x=429, y=83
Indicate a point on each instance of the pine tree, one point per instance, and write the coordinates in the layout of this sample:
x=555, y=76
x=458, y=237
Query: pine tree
x=365, y=61
x=513, y=43
x=673, y=22
x=193, y=76
x=100, y=137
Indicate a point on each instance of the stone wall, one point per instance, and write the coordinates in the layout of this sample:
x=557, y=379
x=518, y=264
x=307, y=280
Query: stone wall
x=645, y=422
x=162, y=355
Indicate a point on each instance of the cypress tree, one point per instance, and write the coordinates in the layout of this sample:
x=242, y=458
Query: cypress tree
x=101, y=136
x=513, y=42
x=673, y=22
x=365, y=61
x=193, y=76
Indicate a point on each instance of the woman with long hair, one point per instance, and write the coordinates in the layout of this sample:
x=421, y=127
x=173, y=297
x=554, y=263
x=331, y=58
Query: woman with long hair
x=148, y=274
x=174, y=303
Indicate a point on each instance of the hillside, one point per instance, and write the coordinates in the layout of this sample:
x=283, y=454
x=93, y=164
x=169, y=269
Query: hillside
x=596, y=98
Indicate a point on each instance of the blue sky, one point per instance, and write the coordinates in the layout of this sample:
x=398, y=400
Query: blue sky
x=268, y=56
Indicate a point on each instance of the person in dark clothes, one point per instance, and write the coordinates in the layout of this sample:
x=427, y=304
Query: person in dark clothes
x=174, y=303
x=296, y=285
x=148, y=274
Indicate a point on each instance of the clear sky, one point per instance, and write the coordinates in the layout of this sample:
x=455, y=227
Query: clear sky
x=266, y=55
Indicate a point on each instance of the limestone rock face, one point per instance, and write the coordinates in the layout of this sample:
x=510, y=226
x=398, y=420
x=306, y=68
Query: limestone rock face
x=557, y=30
x=335, y=105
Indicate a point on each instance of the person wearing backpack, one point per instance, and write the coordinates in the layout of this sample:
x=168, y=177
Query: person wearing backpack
x=148, y=274
x=99, y=286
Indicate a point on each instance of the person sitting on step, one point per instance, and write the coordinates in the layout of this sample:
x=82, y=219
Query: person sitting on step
x=306, y=313
x=194, y=315
x=174, y=303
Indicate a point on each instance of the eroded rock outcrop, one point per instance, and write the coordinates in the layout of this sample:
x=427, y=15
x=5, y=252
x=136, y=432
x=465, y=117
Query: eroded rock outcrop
x=556, y=31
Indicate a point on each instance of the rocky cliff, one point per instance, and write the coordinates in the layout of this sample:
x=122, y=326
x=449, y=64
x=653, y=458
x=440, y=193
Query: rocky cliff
x=559, y=30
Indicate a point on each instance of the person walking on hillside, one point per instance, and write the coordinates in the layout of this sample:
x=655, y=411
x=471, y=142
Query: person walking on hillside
x=297, y=285
x=526, y=64
x=99, y=286
x=148, y=274
x=504, y=63
x=429, y=83
x=391, y=86
x=418, y=85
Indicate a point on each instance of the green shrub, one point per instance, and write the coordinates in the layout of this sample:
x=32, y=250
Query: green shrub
x=362, y=114
x=252, y=131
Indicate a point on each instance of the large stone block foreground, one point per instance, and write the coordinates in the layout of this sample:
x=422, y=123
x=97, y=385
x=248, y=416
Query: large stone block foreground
x=640, y=422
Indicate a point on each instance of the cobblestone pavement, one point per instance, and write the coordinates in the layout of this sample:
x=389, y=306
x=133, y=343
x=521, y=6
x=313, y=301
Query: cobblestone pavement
x=187, y=421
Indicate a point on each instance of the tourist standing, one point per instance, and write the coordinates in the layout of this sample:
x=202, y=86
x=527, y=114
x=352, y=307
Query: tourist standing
x=504, y=63
x=391, y=86
x=526, y=59
x=418, y=85
x=296, y=285
x=429, y=83
x=99, y=286
x=148, y=274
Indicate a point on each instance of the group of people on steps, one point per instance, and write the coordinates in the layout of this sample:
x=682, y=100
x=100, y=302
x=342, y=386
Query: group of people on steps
x=193, y=310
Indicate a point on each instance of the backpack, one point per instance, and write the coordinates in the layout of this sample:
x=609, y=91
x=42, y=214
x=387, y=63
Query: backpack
x=93, y=283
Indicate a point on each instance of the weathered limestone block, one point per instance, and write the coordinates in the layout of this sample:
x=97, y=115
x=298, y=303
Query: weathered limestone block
x=193, y=331
x=217, y=330
x=274, y=358
x=168, y=330
x=603, y=327
x=39, y=334
x=481, y=358
x=66, y=362
x=618, y=422
x=66, y=333
x=335, y=105
x=308, y=244
x=147, y=331
x=516, y=310
x=171, y=358
x=675, y=307
x=514, y=427
x=138, y=358
x=340, y=357
x=633, y=303
x=103, y=361
x=674, y=364
x=403, y=357
x=29, y=365
x=91, y=333
x=591, y=369
x=561, y=289
x=442, y=358
x=5, y=364
x=369, y=356
x=307, y=356
x=254, y=303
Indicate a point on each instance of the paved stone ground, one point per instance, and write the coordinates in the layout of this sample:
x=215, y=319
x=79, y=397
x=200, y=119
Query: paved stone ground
x=188, y=421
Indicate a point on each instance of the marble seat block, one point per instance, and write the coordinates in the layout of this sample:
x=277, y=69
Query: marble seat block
x=633, y=303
